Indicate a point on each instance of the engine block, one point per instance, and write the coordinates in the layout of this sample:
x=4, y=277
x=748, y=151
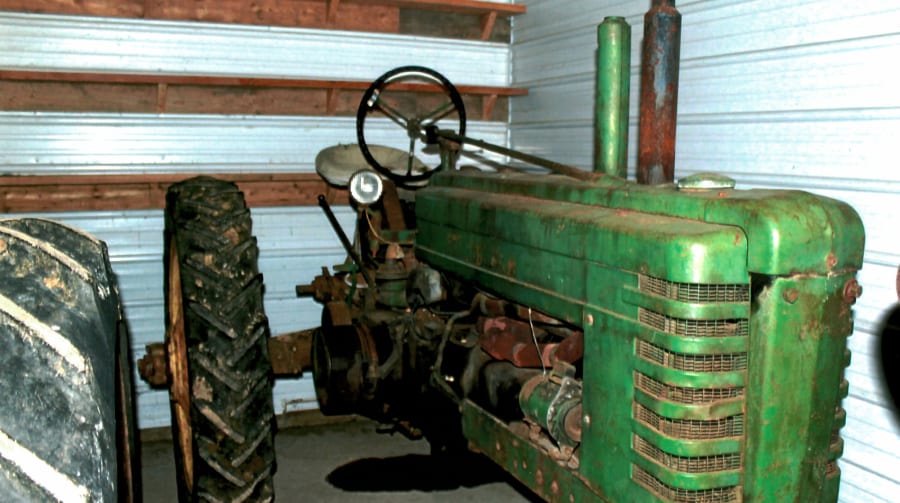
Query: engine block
x=715, y=325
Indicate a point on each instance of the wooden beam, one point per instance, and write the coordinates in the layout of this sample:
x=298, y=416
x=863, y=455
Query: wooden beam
x=331, y=7
x=20, y=194
x=364, y=16
x=207, y=80
x=487, y=24
x=331, y=101
x=162, y=91
x=457, y=6
x=156, y=9
x=487, y=106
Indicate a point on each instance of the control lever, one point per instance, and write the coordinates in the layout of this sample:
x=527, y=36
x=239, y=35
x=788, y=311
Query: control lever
x=344, y=239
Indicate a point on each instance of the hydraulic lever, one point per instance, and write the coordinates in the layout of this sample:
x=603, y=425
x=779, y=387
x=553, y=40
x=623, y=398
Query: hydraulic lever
x=344, y=239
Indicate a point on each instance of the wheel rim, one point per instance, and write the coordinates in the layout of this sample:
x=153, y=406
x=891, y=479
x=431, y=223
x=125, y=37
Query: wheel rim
x=179, y=387
x=129, y=465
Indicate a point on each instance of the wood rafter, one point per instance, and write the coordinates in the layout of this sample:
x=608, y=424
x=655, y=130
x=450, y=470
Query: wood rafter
x=19, y=194
x=207, y=80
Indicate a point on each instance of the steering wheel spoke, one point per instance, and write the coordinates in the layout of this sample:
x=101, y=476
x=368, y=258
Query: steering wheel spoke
x=438, y=113
x=390, y=112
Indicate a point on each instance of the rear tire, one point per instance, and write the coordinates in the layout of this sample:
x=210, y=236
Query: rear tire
x=217, y=345
x=60, y=323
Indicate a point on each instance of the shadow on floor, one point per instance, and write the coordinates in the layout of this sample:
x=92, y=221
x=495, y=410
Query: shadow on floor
x=421, y=472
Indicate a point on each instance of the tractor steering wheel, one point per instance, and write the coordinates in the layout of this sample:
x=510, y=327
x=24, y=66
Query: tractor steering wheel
x=389, y=96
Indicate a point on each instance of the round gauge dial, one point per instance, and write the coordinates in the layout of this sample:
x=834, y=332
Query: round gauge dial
x=366, y=187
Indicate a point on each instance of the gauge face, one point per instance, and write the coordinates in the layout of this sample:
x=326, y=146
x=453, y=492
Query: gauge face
x=366, y=187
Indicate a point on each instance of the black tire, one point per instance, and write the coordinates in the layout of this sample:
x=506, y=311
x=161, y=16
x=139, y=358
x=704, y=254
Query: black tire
x=59, y=325
x=217, y=333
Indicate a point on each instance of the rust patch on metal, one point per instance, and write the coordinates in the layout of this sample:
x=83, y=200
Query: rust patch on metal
x=291, y=353
x=511, y=340
x=790, y=295
x=511, y=267
x=852, y=291
x=659, y=94
x=571, y=349
x=152, y=367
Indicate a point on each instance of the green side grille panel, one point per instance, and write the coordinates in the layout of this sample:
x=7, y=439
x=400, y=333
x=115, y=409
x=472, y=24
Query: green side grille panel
x=708, y=409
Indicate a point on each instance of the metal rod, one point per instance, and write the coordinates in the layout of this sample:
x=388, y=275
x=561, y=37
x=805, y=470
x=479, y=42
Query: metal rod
x=611, y=105
x=556, y=167
x=659, y=93
x=345, y=241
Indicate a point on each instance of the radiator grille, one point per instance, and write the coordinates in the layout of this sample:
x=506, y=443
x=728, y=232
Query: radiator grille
x=694, y=328
x=656, y=486
x=694, y=293
x=691, y=429
x=729, y=362
x=704, y=359
x=680, y=394
x=699, y=464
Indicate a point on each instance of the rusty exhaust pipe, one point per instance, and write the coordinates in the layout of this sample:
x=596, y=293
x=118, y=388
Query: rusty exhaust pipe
x=659, y=93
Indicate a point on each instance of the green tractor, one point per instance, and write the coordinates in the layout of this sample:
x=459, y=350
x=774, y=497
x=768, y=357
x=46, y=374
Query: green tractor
x=599, y=339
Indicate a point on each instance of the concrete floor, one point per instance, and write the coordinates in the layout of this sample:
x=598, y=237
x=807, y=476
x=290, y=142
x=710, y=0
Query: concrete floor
x=350, y=462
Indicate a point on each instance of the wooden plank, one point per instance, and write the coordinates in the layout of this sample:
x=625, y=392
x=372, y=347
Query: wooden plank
x=112, y=8
x=180, y=99
x=77, y=97
x=364, y=16
x=20, y=194
x=457, y=6
x=248, y=101
x=257, y=12
x=208, y=80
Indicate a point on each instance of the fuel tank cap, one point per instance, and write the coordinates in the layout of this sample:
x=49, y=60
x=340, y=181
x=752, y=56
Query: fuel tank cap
x=706, y=181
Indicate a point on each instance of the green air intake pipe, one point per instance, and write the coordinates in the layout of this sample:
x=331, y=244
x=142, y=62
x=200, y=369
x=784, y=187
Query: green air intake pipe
x=611, y=105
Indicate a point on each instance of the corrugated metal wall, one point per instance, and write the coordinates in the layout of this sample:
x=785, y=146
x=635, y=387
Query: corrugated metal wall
x=785, y=94
x=294, y=242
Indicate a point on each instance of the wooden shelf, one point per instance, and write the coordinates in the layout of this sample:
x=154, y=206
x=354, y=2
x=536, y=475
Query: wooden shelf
x=202, y=94
x=364, y=15
x=333, y=88
x=489, y=11
x=20, y=194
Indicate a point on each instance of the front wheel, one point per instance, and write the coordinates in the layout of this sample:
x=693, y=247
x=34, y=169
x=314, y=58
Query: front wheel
x=217, y=346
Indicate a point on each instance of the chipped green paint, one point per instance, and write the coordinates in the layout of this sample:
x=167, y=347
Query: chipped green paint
x=750, y=367
x=788, y=231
